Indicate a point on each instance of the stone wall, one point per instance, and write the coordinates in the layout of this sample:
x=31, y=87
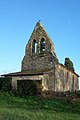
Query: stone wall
x=38, y=60
x=61, y=79
x=55, y=77
x=44, y=78
x=65, y=79
x=34, y=77
x=58, y=78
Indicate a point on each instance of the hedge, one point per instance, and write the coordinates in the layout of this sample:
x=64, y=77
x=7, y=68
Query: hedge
x=5, y=84
x=27, y=87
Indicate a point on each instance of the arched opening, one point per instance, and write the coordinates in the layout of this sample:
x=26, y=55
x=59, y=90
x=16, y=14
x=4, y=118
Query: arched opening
x=34, y=46
x=42, y=45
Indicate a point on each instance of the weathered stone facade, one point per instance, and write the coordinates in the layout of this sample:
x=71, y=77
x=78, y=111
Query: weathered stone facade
x=41, y=63
x=66, y=80
x=41, y=60
x=57, y=77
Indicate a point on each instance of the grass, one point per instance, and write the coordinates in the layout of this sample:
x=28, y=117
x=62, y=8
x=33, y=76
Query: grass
x=36, y=108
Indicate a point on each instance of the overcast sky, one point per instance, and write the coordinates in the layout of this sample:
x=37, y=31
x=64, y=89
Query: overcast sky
x=60, y=18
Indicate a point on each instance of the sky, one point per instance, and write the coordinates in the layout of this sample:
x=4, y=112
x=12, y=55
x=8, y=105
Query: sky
x=60, y=18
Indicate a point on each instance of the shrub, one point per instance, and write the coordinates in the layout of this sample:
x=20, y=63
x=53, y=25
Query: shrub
x=27, y=87
x=5, y=84
x=0, y=84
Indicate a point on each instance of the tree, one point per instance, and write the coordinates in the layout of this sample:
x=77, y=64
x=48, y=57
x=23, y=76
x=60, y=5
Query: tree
x=68, y=63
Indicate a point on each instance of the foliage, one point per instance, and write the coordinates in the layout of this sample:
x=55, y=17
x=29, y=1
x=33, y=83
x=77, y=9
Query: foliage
x=68, y=63
x=5, y=84
x=27, y=87
x=36, y=108
x=41, y=54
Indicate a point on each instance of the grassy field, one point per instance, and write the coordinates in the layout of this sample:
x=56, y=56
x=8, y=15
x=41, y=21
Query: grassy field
x=36, y=108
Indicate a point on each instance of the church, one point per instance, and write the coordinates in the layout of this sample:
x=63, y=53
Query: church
x=40, y=62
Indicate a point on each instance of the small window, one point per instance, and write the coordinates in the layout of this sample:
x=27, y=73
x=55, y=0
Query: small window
x=73, y=83
x=42, y=45
x=34, y=46
x=67, y=76
x=73, y=79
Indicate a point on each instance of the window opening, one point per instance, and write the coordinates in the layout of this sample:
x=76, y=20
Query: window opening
x=73, y=79
x=73, y=83
x=67, y=76
x=42, y=45
x=34, y=46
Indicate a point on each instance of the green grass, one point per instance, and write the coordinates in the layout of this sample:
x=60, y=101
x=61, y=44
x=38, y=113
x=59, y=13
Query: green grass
x=36, y=108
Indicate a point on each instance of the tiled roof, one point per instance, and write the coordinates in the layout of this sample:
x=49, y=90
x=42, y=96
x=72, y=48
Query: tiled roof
x=22, y=74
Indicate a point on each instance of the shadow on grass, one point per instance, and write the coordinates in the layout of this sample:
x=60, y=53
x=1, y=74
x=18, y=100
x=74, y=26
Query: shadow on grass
x=38, y=103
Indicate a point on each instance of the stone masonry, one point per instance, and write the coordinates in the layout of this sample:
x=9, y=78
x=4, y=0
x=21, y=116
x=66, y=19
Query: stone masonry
x=41, y=63
x=39, y=60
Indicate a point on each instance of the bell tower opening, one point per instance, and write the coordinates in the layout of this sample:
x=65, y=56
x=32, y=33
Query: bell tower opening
x=34, y=46
x=42, y=45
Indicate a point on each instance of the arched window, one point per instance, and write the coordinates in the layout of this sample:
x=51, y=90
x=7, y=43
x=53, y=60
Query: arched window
x=42, y=45
x=34, y=46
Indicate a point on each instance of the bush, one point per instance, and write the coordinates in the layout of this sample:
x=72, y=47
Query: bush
x=5, y=84
x=26, y=87
x=0, y=84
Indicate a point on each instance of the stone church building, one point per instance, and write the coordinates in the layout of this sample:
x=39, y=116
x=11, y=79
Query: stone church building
x=41, y=63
